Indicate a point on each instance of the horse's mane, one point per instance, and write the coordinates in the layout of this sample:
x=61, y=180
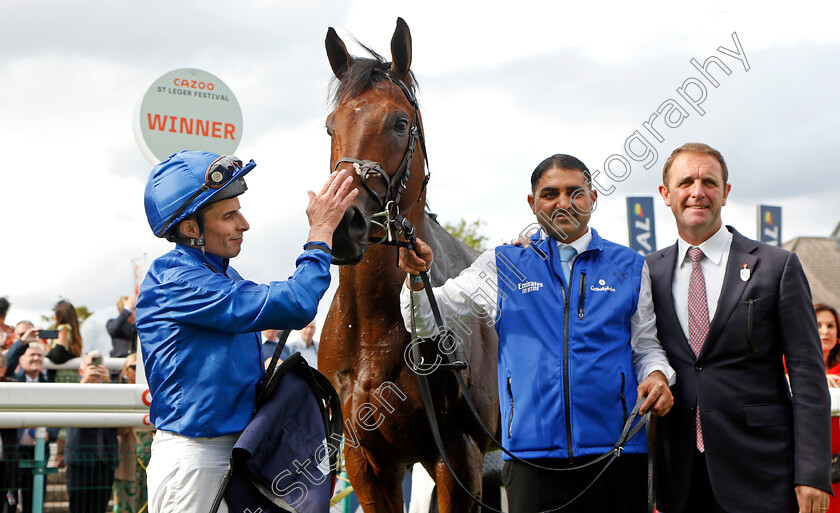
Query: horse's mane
x=362, y=75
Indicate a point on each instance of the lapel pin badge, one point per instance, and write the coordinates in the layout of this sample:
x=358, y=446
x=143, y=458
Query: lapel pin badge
x=745, y=273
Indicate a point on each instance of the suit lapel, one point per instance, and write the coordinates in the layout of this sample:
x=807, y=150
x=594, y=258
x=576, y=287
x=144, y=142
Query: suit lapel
x=665, y=267
x=733, y=287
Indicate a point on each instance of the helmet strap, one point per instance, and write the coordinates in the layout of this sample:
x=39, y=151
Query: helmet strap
x=199, y=218
x=173, y=236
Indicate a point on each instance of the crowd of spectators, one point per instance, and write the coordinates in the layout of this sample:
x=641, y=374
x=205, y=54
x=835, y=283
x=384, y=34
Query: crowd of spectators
x=104, y=464
x=101, y=464
x=92, y=457
x=828, y=322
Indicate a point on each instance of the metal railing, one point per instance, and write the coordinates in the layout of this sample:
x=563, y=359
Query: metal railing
x=70, y=405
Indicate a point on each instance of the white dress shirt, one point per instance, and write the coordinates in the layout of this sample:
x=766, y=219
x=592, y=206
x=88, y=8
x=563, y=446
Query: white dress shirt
x=474, y=293
x=716, y=248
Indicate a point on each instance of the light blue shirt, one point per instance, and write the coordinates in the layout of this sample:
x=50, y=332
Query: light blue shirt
x=310, y=353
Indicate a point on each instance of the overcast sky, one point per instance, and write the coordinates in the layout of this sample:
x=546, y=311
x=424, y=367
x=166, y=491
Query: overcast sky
x=502, y=86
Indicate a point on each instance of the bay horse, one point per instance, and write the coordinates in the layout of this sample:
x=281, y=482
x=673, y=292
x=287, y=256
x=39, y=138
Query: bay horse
x=376, y=134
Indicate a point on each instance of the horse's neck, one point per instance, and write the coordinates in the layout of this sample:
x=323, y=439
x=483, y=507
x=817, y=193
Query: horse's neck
x=374, y=280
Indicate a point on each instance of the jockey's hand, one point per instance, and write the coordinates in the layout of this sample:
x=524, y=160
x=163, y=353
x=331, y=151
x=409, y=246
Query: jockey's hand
x=326, y=209
x=414, y=261
x=657, y=394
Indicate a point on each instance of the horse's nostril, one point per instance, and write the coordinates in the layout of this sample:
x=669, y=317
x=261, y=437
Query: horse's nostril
x=356, y=224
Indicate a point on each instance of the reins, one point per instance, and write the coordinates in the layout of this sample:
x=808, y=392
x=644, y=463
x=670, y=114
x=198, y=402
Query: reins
x=390, y=220
x=630, y=429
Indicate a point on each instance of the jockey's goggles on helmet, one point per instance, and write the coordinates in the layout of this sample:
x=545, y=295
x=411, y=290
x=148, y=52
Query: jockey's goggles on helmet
x=219, y=175
x=220, y=172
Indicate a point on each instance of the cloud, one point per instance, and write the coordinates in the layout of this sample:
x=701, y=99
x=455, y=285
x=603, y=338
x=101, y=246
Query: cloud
x=502, y=87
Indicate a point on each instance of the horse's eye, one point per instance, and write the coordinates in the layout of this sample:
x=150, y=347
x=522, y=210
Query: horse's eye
x=401, y=125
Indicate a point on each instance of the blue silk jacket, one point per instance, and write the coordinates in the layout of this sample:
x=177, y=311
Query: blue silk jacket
x=200, y=335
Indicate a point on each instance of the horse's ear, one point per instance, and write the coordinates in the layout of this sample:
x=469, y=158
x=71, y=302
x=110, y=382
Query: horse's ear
x=401, y=49
x=340, y=59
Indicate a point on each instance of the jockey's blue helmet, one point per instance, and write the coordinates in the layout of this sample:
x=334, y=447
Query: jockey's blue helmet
x=186, y=181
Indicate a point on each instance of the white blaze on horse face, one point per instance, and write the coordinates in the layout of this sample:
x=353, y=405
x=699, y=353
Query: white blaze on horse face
x=357, y=109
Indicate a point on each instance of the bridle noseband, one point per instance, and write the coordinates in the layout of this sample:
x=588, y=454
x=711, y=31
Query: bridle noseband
x=388, y=217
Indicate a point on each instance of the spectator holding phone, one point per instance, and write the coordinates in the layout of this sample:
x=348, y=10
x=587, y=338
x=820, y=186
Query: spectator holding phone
x=122, y=330
x=68, y=344
x=91, y=453
x=25, y=333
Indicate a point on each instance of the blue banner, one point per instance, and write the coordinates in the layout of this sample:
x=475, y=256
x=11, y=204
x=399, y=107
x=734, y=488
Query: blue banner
x=770, y=225
x=640, y=224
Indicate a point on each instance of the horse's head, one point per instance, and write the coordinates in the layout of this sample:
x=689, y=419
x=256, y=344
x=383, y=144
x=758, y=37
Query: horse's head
x=377, y=135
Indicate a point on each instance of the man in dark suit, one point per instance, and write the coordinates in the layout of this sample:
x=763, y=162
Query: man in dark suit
x=31, y=371
x=9, y=457
x=91, y=454
x=728, y=309
x=122, y=329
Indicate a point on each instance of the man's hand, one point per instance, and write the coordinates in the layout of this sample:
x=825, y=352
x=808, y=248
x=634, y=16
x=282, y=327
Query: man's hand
x=59, y=457
x=522, y=240
x=96, y=374
x=30, y=335
x=811, y=500
x=658, y=398
x=326, y=208
x=130, y=303
x=412, y=263
x=833, y=380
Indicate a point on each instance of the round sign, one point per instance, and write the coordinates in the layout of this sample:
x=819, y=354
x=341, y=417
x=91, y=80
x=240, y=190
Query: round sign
x=187, y=109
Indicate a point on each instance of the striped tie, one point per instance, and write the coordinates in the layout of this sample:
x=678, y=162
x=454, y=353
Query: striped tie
x=698, y=320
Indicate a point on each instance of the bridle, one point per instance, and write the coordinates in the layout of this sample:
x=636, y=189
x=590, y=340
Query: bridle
x=387, y=217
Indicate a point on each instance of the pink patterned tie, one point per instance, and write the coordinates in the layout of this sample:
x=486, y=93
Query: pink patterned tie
x=698, y=319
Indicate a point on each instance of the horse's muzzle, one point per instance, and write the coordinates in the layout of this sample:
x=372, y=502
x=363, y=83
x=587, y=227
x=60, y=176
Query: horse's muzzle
x=350, y=237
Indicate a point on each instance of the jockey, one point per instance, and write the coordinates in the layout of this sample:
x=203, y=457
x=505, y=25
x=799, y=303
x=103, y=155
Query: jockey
x=199, y=321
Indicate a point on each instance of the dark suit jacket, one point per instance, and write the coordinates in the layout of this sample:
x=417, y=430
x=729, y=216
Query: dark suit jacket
x=123, y=334
x=748, y=416
x=20, y=376
x=89, y=446
x=9, y=466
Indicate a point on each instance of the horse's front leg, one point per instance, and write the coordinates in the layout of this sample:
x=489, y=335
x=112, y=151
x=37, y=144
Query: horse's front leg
x=466, y=459
x=378, y=486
